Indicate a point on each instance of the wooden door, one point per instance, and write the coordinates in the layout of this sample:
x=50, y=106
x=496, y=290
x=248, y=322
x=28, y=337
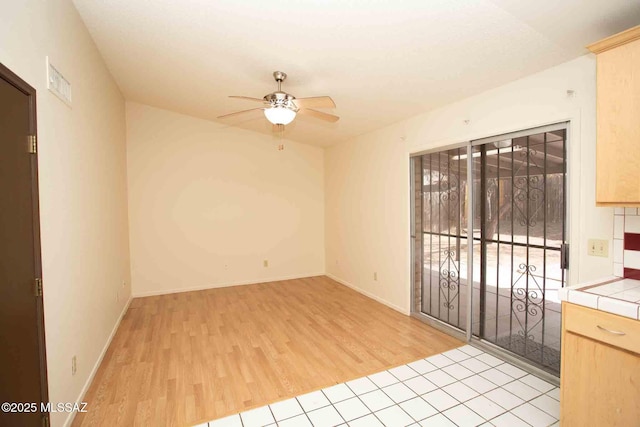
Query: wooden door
x=22, y=355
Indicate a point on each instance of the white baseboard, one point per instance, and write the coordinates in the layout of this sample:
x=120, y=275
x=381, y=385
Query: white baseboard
x=223, y=285
x=87, y=384
x=368, y=294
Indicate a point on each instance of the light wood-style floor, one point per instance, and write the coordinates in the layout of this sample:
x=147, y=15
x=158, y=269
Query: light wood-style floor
x=186, y=358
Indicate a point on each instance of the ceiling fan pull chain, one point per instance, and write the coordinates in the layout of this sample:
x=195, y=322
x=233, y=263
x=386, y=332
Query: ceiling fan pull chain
x=281, y=146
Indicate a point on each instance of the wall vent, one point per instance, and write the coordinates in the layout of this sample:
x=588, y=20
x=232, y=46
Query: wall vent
x=57, y=84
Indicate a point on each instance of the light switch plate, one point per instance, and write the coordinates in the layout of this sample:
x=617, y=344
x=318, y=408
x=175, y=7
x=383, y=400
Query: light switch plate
x=598, y=247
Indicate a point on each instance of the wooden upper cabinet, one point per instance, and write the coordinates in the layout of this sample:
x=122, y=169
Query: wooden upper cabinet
x=618, y=119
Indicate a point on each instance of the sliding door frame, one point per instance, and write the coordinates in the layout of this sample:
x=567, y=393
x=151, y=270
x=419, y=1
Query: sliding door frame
x=432, y=321
x=467, y=335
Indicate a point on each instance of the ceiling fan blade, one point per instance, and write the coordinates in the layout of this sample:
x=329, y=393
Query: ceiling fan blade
x=315, y=102
x=319, y=115
x=248, y=98
x=237, y=113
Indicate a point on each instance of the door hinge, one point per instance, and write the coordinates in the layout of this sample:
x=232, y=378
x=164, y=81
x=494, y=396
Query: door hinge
x=33, y=144
x=564, y=256
x=38, y=287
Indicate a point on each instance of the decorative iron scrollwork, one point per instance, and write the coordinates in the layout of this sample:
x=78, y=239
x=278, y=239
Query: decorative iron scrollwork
x=528, y=194
x=449, y=278
x=448, y=186
x=528, y=300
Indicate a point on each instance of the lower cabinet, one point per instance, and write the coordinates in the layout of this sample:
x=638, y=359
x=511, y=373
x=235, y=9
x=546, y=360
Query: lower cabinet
x=600, y=373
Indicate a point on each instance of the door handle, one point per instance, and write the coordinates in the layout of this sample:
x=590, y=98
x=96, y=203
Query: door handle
x=564, y=256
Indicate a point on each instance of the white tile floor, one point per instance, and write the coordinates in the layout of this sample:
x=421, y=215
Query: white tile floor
x=462, y=387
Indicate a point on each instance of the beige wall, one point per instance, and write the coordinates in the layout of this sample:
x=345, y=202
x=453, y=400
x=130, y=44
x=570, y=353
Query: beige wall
x=209, y=203
x=367, y=179
x=82, y=164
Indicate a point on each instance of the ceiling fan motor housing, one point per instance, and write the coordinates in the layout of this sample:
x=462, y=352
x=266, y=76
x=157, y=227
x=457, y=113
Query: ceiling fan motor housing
x=281, y=100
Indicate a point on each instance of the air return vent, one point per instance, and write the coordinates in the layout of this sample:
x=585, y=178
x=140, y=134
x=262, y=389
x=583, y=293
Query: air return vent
x=57, y=84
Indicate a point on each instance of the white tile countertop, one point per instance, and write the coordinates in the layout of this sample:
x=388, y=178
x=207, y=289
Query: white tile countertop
x=613, y=294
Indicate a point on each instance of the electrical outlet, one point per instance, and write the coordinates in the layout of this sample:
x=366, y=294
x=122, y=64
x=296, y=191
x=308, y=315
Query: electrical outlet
x=375, y=276
x=74, y=365
x=265, y=263
x=598, y=247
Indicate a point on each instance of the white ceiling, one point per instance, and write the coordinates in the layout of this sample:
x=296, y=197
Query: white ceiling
x=381, y=60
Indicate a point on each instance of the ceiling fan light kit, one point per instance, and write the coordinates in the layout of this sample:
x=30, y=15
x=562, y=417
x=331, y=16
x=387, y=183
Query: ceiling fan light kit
x=281, y=108
x=279, y=115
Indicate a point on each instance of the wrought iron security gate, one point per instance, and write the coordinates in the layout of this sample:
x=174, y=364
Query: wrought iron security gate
x=441, y=206
x=516, y=198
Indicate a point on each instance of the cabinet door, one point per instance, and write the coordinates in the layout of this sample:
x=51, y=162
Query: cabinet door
x=600, y=384
x=618, y=147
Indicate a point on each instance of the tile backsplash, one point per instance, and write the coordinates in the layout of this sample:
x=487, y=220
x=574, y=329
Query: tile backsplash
x=626, y=243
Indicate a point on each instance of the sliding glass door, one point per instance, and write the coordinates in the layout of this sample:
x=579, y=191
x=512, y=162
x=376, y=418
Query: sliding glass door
x=441, y=207
x=508, y=201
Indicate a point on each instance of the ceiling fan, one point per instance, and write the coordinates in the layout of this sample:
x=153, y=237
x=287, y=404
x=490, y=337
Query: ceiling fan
x=280, y=108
